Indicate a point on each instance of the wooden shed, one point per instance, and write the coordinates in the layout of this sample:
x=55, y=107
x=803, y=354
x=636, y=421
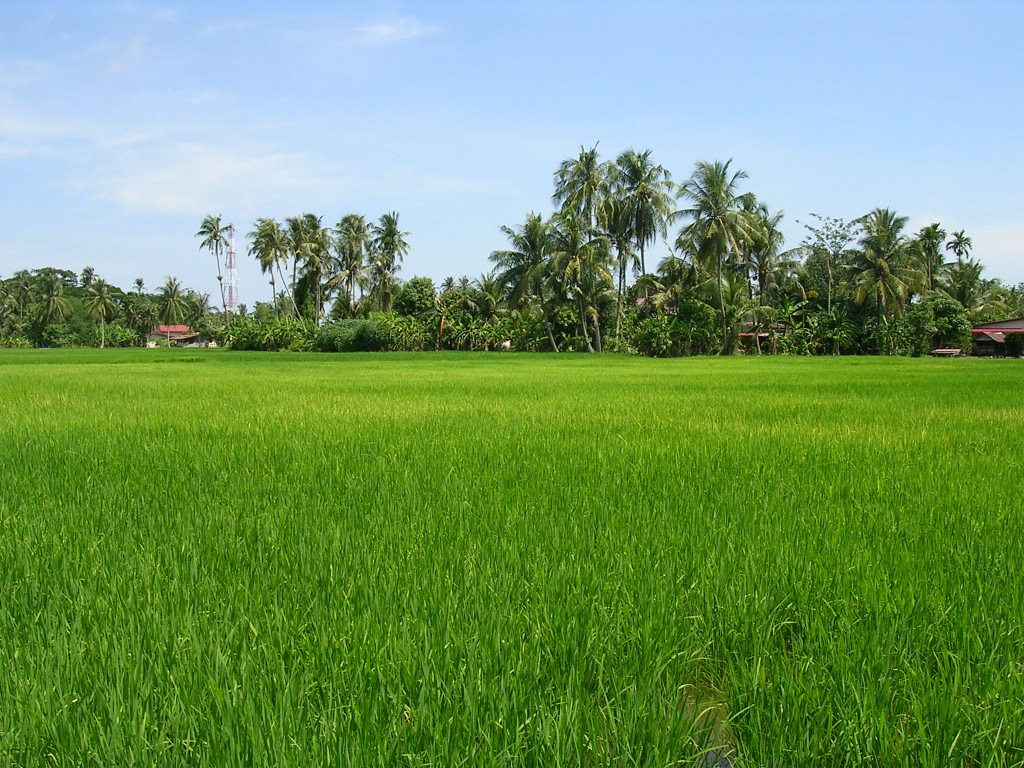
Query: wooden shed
x=989, y=339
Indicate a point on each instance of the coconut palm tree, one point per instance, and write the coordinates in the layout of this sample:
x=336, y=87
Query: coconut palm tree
x=101, y=305
x=763, y=254
x=87, y=277
x=351, y=245
x=55, y=306
x=717, y=224
x=523, y=268
x=579, y=265
x=173, y=303
x=983, y=299
x=309, y=243
x=616, y=220
x=928, y=247
x=388, y=248
x=270, y=248
x=488, y=289
x=24, y=292
x=880, y=269
x=648, y=193
x=214, y=236
x=140, y=314
x=580, y=184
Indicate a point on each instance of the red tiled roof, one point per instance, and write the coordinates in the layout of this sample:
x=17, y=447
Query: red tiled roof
x=172, y=329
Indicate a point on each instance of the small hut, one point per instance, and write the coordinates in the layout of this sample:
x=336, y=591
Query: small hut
x=990, y=339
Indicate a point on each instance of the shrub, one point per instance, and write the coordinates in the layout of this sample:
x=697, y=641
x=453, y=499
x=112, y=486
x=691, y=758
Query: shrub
x=351, y=336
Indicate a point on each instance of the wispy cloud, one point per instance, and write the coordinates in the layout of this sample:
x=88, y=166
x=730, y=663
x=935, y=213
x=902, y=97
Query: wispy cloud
x=25, y=135
x=234, y=26
x=129, y=56
x=395, y=31
x=155, y=13
x=22, y=72
x=193, y=178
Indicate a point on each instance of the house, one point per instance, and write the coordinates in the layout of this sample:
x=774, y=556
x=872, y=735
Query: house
x=990, y=339
x=178, y=336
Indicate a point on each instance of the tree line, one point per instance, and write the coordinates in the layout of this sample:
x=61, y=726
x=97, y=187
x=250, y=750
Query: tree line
x=578, y=279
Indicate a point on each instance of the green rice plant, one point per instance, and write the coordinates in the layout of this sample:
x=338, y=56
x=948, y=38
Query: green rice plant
x=508, y=560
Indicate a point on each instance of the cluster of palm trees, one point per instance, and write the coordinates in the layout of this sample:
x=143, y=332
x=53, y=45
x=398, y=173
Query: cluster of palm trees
x=725, y=250
x=563, y=282
x=352, y=262
x=54, y=307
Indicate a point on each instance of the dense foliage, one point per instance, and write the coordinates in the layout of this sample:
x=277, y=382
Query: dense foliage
x=726, y=285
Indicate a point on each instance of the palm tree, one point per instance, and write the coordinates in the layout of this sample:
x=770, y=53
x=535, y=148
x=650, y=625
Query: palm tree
x=197, y=306
x=616, y=221
x=140, y=314
x=138, y=284
x=101, y=305
x=960, y=244
x=580, y=184
x=388, y=248
x=880, y=270
x=8, y=305
x=579, y=265
x=214, y=237
x=983, y=299
x=270, y=248
x=488, y=291
x=87, y=278
x=173, y=303
x=718, y=224
x=522, y=269
x=351, y=243
x=928, y=245
x=763, y=254
x=24, y=292
x=309, y=243
x=55, y=305
x=648, y=192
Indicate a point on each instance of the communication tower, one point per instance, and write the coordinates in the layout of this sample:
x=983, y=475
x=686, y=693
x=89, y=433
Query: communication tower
x=231, y=297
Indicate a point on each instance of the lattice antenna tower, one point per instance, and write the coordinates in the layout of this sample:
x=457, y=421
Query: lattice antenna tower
x=231, y=297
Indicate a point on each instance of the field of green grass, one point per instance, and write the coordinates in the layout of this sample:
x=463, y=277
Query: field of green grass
x=219, y=559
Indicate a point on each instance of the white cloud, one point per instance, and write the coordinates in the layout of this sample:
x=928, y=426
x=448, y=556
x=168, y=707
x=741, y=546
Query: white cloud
x=235, y=26
x=23, y=72
x=194, y=179
x=128, y=56
x=396, y=31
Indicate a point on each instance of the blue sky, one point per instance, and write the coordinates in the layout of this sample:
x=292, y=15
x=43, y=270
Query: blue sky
x=123, y=123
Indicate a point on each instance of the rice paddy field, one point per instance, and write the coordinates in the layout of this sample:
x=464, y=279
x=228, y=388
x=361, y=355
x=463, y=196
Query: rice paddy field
x=221, y=559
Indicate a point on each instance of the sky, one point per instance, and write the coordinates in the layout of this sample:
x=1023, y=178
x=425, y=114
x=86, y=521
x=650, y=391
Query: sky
x=124, y=122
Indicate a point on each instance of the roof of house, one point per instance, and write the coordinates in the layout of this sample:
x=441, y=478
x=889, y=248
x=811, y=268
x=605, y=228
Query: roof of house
x=1014, y=325
x=995, y=336
x=172, y=329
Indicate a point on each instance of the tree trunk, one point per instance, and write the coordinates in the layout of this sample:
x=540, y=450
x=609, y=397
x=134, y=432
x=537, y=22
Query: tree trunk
x=828, y=264
x=548, y=328
x=220, y=282
x=622, y=289
x=586, y=331
x=721, y=304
